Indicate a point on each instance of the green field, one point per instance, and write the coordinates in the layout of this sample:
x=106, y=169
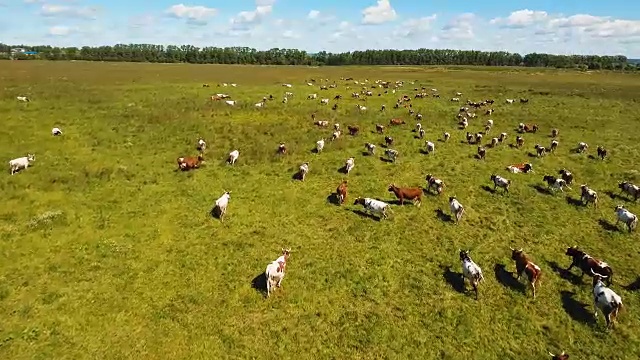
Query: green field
x=108, y=252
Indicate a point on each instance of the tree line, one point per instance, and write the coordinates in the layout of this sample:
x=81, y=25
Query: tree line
x=246, y=55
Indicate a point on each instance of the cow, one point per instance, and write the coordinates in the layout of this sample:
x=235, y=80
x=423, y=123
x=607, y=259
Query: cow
x=190, y=162
x=588, y=264
x=499, y=181
x=470, y=270
x=275, y=271
x=20, y=163
x=433, y=182
x=520, y=168
x=602, y=152
x=388, y=140
x=630, y=219
x=371, y=148
x=341, y=191
x=630, y=189
x=588, y=195
x=525, y=265
x=353, y=130
x=561, y=356
x=391, y=154
x=567, y=176
x=606, y=300
x=414, y=194
x=396, y=121
x=233, y=157
x=555, y=183
x=456, y=208
x=282, y=149
x=221, y=204
x=482, y=152
x=303, y=170
x=374, y=206
x=56, y=131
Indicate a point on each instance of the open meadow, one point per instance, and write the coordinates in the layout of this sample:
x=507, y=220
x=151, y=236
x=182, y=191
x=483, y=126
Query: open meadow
x=107, y=251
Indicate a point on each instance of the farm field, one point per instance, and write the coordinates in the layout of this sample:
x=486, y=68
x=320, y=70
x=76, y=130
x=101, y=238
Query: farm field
x=106, y=251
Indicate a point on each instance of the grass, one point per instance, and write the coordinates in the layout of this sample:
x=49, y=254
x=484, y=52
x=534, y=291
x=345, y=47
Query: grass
x=107, y=252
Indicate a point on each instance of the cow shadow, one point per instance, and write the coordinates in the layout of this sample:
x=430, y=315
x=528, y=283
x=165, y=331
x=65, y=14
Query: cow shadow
x=577, y=310
x=382, y=158
x=392, y=201
x=592, y=157
x=615, y=196
x=259, y=283
x=441, y=140
x=215, y=212
x=507, y=279
x=574, y=202
x=383, y=145
x=365, y=214
x=454, y=279
x=314, y=150
x=532, y=155
x=607, y=225
x=478, y=157
x=366, y=153
x=333, y=199
x=634, y=286
x=343, y=169
x=563, y=273
x=426, y=191
x=443, y=216
x=297, y=176
x=541, y=189
x=424, y=152
x=488, y=189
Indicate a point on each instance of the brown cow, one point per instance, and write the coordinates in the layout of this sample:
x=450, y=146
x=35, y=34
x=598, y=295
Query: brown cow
x=588, y=264
x=341, y=191
x=530, y=128
x=190, y=162
x=524, y=264
x=353, y=130
x=519, y=141
x=396, y=121
x=414, y=194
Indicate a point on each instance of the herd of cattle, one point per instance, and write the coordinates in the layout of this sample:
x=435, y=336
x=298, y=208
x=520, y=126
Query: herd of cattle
x=605, y=299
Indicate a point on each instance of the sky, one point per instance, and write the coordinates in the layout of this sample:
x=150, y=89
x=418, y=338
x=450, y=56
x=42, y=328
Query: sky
x=558, y=27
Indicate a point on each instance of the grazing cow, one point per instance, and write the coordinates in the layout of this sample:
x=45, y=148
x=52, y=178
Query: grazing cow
x=561, y=356
x=464, y=123
x=336, y=135
x=630, y=189
x=602, y=152
x=282, y=149
x=418, y=117
x=341, y=191
x=489, y=112
x=20, y=163
x=489, y=123
x=455, y=99
x=285, y=100
x=582, y=147
x=519, y=141
x=379, y=128
x=555, y=183
x=22, y=98
x=230, y=102
x=353, y=130
x=396, y=121
x=554, y=133
x=275, y=271
x=471, y=139
x=630, y=219
x=532, y=128
x=260, y=104
x=56, y=131
x=391, y=154
x=567, y=176
x=361, y=108
x=414, y=194
x=482, y=152
x=303, y=170
x=334, y=107
x=221, y=204
x=540, y=150
x=456, y=208
x=436, y=183
x=287, y=94
x=336, y=127
x=312, y=96
x=371, y=149
x=524, y=264
x=337, y=97
x=524, y=101
x=499, y=181
x=418, y=127
x=349, y=164
x=233, y=157
x=495, y=142
x=510, y=101
x=286, y=85
x=520, y=168
x=322, y=123
x=446, y=136
x=588, y=195
x=383, y=108
x=606, y=300
x=502, y=137
x=388, y=140
x=324, y=101
x=553, y=146
x=588, y=264
x=319, y=145
x=431, y=147
x=202, y=145
x=190, y=162
x=470, y=270
x=373, y=206
x=421, y=133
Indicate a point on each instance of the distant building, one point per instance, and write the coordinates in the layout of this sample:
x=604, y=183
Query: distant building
x=22, y=51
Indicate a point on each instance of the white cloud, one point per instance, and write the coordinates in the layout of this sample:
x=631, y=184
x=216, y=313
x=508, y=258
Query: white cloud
x=313, y=14
x=289, y=34
x=246, y=19
x=193, y=14
x=60, y=30
x=578, y=20
x=415, y=27
x=460, y=27
x=380, y=13
x=521, y=18
x=51, y=10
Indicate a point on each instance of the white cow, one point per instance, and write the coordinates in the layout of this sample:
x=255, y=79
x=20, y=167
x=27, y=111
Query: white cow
x=456, y=208
x=470, y=270
x=371, y=148
x=391, y=154
x=275, y=271
x=202, y=145
x=22, y=98
x=373, y=206
x=431, y=147
x=21, y=163
x=348, y=166
x=605, y=299
x=319, y=145
x=56, y=131
x=221, y=204
x=230, y=102
x=630, y=219
x=233, y=156
x=304, y=169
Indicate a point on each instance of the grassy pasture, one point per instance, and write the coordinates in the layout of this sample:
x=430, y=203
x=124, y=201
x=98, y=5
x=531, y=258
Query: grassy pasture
x=107, y=252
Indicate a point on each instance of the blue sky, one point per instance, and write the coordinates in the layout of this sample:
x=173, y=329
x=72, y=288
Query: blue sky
x=560, y=26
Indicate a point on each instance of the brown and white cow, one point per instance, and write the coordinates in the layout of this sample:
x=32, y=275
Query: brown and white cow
x=396, y=121
x=341, y=191
x=525, y=265
x=190, y=162
x=589, y=265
